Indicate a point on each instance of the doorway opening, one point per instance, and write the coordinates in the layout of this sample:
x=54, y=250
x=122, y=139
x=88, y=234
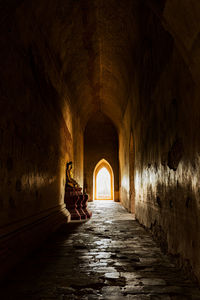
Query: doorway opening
x=103, y=181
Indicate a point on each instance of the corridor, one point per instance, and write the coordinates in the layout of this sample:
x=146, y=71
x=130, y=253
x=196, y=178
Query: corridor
x=109, y=257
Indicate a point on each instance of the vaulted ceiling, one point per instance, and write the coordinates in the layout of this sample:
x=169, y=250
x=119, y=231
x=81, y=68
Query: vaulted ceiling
x=96, y=46
x=91, y=44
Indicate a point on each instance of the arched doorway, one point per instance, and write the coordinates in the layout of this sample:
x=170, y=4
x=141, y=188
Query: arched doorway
x=103, y=181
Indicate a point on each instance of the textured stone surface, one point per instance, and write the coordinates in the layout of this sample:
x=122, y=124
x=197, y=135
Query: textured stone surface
x=165, y=132
x=109, y=257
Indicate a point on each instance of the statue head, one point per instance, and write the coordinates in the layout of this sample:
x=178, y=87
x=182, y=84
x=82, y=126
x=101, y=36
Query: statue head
x=69, y=165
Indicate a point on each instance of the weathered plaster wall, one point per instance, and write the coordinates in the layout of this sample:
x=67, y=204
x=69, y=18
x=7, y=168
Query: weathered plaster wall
x=78, y=147
x=100, y=141
x=124, y=142
x=166, y=125
x=36, y=140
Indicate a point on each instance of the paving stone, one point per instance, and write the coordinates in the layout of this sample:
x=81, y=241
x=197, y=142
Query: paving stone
x=153, y=281
x=108, y=257
x=112, y=275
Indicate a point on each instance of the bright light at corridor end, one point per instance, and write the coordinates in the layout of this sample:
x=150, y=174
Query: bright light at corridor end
x=103, y=182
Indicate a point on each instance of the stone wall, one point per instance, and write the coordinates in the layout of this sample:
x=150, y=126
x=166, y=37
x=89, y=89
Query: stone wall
x=78, y=146
x=124, y=162
x=36, y=140
x=166, y=125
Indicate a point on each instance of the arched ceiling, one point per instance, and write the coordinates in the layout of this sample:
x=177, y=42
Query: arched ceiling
x=95, y=45
x=97, y=51
x=92, y=43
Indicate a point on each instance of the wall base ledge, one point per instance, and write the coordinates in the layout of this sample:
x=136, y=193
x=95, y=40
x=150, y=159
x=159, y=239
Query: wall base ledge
x=16, y=244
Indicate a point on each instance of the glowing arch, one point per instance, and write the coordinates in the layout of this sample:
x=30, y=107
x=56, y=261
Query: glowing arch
x=100, y=166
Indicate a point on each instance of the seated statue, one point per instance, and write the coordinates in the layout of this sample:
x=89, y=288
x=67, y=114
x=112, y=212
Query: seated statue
x=70, y=182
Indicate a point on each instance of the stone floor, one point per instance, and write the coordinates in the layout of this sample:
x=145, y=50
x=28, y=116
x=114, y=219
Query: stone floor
x=109, y=257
